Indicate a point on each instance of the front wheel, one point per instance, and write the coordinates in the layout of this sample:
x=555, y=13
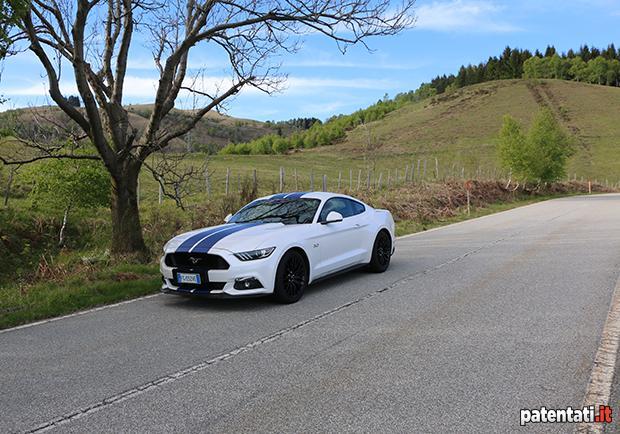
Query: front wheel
x=291, y=278
x=381, y=253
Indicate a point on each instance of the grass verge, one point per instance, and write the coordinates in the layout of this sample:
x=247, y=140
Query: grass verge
x=20, y=305
x=407, y=227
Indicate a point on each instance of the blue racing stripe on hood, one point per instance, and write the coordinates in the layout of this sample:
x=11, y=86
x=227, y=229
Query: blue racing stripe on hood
x=191, y=241
x=205, y=245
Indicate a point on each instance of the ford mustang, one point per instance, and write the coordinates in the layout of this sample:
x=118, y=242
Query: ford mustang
x=278, y=245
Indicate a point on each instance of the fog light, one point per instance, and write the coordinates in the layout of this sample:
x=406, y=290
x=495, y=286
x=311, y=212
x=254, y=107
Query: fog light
x=247, y=283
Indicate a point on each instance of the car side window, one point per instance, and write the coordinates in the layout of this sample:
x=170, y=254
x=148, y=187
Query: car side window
x=344, y=206
x=356, y=207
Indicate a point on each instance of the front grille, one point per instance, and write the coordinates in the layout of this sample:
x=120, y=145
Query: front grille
x=196, y=260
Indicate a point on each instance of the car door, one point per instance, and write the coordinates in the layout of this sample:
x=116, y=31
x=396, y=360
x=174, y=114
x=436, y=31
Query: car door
x=340, y=243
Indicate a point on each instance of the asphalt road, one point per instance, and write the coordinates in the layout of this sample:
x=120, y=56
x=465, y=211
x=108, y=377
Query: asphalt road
x=471, y=323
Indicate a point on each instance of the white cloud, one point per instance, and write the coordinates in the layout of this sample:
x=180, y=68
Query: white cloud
x=463, y=15
x=326, y=108
x=144, y=88
x=313, y=85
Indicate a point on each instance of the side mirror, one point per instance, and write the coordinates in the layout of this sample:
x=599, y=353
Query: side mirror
x=332, y=217
x=227, y=218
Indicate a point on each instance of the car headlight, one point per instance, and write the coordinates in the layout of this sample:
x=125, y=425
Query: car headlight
x=255, y=254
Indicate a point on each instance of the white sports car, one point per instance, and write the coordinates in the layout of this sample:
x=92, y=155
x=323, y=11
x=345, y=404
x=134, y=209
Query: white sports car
x=278, y=245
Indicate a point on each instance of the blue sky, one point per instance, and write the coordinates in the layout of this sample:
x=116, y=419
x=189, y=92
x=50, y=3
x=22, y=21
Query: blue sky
x=323, y=82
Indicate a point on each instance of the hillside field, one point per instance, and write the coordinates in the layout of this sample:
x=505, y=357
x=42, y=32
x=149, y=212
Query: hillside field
x=461, y=128
x=453, y=133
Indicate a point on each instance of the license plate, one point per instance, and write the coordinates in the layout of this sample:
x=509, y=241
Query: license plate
x=188, y=278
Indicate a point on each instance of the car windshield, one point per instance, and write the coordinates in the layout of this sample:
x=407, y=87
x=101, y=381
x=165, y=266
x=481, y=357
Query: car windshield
x=287, y=211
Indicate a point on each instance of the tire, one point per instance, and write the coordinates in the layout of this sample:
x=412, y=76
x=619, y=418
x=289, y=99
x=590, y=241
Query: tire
x=291, y=278
x=381, y=253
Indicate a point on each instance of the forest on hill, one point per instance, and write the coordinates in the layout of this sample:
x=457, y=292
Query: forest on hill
x=587, y=65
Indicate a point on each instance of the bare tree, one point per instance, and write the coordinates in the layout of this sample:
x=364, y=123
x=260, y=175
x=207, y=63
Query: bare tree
x=94, y=38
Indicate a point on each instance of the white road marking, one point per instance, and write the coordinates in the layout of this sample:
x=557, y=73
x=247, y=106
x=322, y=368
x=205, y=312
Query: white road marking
x=82, y=312
x=599, y=387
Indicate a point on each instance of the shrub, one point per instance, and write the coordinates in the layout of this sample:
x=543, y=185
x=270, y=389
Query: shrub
x=541, y=154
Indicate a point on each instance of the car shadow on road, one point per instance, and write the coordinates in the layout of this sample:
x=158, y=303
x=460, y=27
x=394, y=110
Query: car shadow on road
x=256, y=303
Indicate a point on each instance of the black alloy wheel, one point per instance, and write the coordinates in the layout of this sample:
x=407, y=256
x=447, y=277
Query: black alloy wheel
x=291, y=277
x=381, y=253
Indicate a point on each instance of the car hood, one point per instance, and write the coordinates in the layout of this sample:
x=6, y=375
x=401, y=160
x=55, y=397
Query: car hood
x=233, y=237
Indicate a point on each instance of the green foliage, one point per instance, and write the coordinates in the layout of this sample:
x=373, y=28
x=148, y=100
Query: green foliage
x=539, y=155
x=75, y=183
x=10, y=12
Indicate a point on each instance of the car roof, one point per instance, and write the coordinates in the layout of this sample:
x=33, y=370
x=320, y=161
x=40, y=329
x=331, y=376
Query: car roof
x=322, y=195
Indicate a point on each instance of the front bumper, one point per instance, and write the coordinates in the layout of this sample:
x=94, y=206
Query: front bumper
x=221, y=283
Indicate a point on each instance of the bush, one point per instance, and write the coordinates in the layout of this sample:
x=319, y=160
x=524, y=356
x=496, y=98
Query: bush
x=541, y=154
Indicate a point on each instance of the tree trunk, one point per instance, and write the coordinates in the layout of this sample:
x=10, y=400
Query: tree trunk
x=61, y=236
x=126, y=228
x=7, y=191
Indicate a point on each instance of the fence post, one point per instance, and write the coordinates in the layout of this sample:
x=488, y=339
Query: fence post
x=324, y=182
x=227, y=180
x=368, y=180
x=281, y=179
x=436, y=168
x=159, y=197
x=379, y=181
x=255, y=180
x=418, y=169
x=339, y=179
x=406, y=173
x=468, y=203
x=389, y=180
x=424, y=174
x=359, y=178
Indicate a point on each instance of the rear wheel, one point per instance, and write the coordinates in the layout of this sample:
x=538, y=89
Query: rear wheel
x=381, y=253
x=291, y=277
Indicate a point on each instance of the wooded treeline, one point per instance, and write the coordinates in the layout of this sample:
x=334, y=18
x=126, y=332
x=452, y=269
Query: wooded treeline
x=589, y=65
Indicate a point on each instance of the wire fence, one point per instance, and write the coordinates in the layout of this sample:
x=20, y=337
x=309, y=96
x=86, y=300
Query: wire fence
x=229, y=181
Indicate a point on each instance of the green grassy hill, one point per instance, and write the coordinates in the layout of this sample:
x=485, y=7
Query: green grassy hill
x=460, y=128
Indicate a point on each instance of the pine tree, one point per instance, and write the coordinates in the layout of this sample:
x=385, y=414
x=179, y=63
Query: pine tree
x=584, y=53
x=550, y=51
